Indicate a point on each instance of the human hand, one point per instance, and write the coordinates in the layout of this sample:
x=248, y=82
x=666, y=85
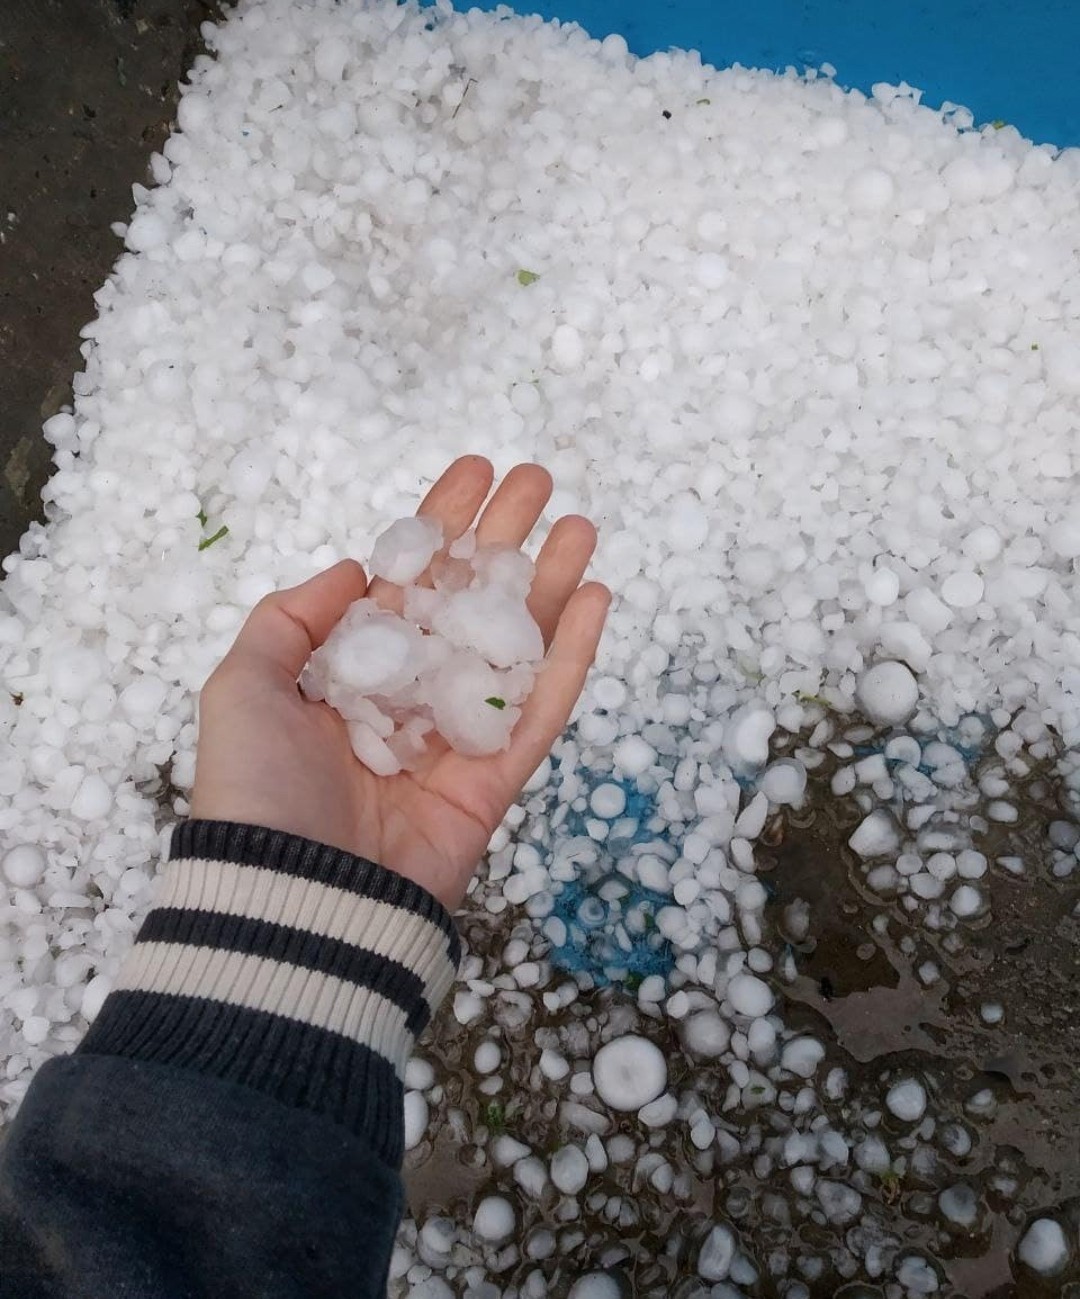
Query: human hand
x=268, y=756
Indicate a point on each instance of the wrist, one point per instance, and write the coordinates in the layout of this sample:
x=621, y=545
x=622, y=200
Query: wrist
x=294, y=967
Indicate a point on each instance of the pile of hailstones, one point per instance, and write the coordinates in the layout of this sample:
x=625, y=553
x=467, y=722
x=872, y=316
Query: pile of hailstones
x=458, y=660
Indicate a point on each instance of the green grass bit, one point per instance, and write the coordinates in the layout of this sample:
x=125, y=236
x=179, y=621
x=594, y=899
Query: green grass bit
x=207, y=542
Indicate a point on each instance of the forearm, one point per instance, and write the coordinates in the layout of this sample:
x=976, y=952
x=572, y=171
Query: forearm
x=233, y=1119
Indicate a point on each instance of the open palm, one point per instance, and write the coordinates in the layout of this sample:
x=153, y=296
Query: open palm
x=268, y=756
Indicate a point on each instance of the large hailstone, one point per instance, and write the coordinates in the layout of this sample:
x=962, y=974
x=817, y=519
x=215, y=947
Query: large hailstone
x=460, y=696
x=888, y=693
x=629, y=1072
x=405, y=550
x=496, y=625
x=459, y=660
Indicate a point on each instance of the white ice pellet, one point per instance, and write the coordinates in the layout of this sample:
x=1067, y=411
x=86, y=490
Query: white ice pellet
x=926, y=886
x=959, y=1204
x=702, y=1132
x=569, y=1169
x=143, y=697
x=1064, y=539
x=761, y=1039
x=567, y=348
x=416, y=1119
x=595, y=1285
x=870, y=190
x=531, y=1174
x=487, y=1057
x=419, y=1074
x=928, y=612
x=801, y=1056
x=608, y=801
x=494, y=1219
x=751, y=820
x=609, y=692
x=888, y=693
x=872, y=1156
x=942, y=866
x=875, y=836
x=23, y=865
x=784, y=782
x=966, y=901
x=906, y=1099
x=688, y=524
x=882, y=587
x=553, y=1065
x=982, y=544
x=840, y=1202
x=962, y=590
x=746, y=737
x=716, y=1254
x=35, y=1029
x=971, y=865
x=93, y=799
x=629, y=1072
x=706, y=1034
x=94, y=995
x=749, y=995
x=917, y=1276
x=405, y=550
x=505, y=1151
x=467, y=1006
x=1044, y=1247
x=659, y=1113
x=633, y=756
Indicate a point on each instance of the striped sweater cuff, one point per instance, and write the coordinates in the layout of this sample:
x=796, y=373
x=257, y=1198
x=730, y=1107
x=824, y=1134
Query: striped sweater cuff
x=287, y=966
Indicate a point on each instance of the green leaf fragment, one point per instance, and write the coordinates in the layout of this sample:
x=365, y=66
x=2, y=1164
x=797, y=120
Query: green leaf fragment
x=494, y=1118
x=999, y=124
x=496, y=702
x=704, y=101
x=525, y=278
x=201, y=516
x=1034, y=347
x=207, y=542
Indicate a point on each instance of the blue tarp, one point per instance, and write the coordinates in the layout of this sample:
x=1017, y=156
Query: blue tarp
x=1016, y=61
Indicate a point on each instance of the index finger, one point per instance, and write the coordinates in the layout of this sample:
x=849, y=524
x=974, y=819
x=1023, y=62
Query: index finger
x=453, y=501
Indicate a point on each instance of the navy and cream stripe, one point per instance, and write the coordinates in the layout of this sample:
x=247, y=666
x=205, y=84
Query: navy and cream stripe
x=288, y=966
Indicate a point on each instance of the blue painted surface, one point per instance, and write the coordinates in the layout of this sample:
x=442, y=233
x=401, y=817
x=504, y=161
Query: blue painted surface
x=1013, y=60
x=593, y=925
x=591, y=946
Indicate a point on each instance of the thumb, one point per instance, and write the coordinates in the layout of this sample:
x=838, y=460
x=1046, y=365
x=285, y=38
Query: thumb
x=285, y=627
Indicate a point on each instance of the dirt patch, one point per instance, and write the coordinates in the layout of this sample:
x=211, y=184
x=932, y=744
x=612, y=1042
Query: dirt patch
x=89, y=90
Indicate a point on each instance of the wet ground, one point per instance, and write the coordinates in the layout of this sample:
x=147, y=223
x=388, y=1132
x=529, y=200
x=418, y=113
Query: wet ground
x=861, y=988
x=1024, y=958
x=87, y=91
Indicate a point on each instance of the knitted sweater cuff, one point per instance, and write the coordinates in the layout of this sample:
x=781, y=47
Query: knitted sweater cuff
x=287, y=966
